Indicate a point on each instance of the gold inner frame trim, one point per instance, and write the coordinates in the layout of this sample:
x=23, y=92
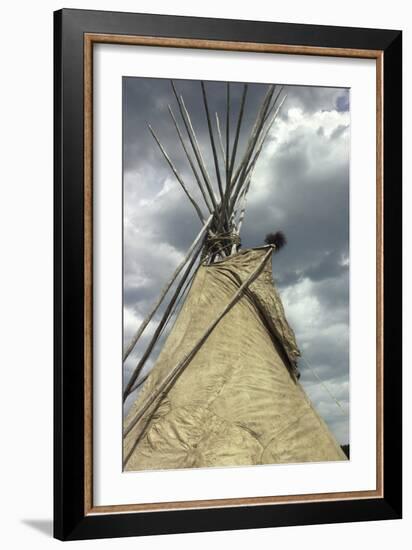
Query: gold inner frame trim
x=89, y=40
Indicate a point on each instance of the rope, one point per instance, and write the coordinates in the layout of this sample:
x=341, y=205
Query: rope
x=209, y=256
x=323, y=384
x=217, y=238
x=218, y=242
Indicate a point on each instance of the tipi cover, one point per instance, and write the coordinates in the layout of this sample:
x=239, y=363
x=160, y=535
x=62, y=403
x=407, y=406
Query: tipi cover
x=239, y=401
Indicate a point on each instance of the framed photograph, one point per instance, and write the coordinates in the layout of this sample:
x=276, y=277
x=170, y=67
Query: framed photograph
x=227, y=274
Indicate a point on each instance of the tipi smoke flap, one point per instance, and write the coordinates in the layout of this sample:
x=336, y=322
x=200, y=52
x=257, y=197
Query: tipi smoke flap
x=225, y=388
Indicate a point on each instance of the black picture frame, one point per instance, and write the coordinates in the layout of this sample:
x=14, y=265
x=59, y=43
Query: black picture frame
x=71, y=522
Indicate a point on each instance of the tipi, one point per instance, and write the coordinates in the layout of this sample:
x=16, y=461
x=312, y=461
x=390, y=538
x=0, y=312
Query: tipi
x=225, y=388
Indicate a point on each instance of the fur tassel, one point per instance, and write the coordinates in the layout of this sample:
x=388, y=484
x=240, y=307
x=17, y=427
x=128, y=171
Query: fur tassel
x=278, y=239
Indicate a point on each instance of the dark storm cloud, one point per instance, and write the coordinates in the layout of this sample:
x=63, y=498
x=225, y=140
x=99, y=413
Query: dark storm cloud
x=143, y=105
x=342, y=102
x=301, y=186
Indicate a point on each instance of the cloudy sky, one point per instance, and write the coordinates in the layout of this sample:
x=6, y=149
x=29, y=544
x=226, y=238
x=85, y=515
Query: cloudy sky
x=300, y=185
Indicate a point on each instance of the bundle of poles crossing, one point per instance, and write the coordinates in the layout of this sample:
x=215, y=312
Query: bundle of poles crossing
x=221, y=209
